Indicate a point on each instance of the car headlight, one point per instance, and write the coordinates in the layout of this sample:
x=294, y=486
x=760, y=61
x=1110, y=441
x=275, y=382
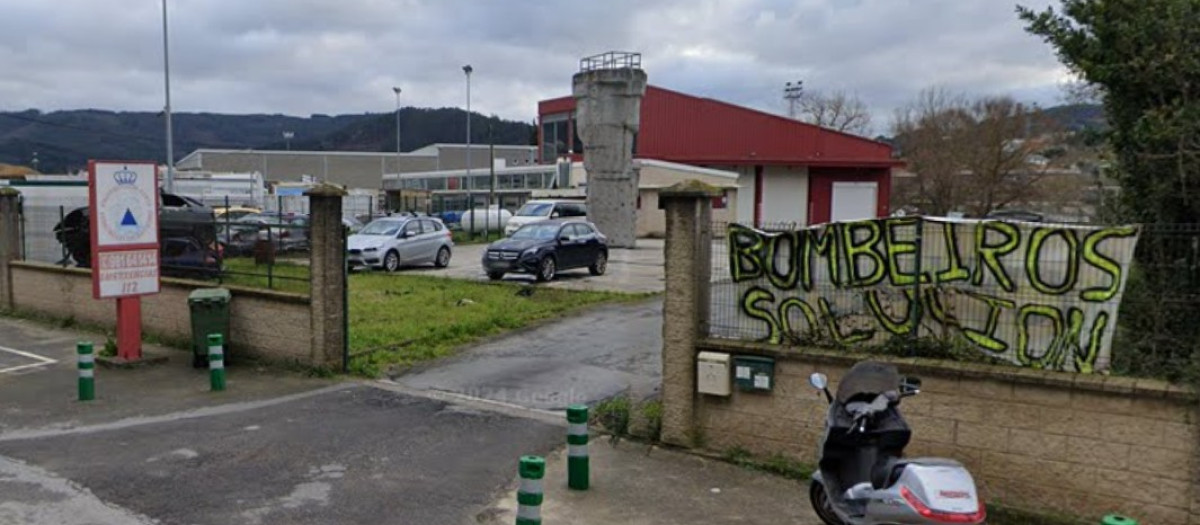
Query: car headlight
x=372, y=249
x=531, y=251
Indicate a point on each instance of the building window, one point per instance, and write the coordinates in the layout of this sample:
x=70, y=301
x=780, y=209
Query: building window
x=556, y=131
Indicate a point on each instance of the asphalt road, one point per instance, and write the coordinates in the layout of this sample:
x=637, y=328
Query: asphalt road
x=348, y=454
x=584, y=359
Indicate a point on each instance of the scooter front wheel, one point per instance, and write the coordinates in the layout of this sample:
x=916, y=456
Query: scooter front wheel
x=821, y=504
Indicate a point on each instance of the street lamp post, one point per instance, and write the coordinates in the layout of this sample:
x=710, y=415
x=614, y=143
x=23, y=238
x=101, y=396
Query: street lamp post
x=470, y=183
x=397, y=91
x=287, y=137
x=170, y=180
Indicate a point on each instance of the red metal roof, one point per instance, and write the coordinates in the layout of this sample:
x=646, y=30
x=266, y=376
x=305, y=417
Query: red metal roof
x=683, y=128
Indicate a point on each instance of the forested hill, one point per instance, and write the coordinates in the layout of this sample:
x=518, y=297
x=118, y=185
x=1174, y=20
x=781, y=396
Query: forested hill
x=63, y=141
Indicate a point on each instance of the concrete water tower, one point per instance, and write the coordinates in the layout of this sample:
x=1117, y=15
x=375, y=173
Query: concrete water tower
x=608, y=92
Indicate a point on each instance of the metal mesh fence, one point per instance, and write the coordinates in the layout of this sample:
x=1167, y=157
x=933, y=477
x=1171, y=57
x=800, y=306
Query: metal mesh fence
x=264, y=250
x=38, y=238
x=1051, y=296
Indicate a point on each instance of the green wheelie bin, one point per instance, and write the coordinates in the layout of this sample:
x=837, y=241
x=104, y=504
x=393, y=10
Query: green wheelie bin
x=210, y=315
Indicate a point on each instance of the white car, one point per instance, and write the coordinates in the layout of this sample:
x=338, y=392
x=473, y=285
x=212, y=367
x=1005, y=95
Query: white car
x=393, y=242
x=545, y=209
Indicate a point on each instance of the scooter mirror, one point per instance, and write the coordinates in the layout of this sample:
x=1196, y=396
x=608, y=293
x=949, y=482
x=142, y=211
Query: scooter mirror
x=818, y=381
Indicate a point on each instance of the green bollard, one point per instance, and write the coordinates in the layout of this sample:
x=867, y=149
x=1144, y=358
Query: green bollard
x=87, y=371
x=216, y=362
x=529, y=496
x=577, y=447
x=1117, y=519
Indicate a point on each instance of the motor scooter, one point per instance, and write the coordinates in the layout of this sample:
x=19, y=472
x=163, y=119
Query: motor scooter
x=863, y=477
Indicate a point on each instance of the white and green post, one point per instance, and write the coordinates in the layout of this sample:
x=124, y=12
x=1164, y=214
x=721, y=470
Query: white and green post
x=216, y=362
x=529, y=496
x=87, y=371
x=577, y=447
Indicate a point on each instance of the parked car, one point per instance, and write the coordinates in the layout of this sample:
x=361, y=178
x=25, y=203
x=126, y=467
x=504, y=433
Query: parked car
x=400, y=241
x=351, y=224
x=186, y=257
x=178, y=216
x=543, y=209
x=286, y=231
x=547, y=247
x=233, y=213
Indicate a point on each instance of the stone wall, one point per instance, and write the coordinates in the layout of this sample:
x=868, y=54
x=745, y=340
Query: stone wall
x=1047, y=441
x=267, y=325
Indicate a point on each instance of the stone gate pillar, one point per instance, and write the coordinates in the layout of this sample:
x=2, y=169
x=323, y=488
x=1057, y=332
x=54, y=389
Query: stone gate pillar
x=688, y=265
x=327, y=276
x=608, y=103
x=10, y=242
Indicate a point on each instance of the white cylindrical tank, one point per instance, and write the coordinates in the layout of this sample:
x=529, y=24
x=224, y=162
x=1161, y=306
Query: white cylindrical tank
x=479, y=219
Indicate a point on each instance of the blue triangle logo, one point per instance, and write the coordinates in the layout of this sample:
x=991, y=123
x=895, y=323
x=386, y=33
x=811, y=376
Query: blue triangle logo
x=128, y=219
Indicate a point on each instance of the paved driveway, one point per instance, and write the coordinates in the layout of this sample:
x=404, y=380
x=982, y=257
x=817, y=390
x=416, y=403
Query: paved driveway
x=629, y=270
x=583, y=359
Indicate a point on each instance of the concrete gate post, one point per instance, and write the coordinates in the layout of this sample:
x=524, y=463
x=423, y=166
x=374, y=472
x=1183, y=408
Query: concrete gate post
x=688, y=265
x=608, y=114
x=10, y=242
x=327, y=279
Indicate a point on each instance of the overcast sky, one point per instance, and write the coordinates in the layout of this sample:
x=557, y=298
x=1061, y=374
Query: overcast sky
x=301, y=57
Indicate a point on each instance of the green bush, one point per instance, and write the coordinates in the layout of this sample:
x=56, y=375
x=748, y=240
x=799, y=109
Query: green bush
x=613, y=415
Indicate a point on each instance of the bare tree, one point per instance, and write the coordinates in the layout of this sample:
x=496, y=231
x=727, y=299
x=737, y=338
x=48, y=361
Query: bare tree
x=973, y=156
x=836, y=110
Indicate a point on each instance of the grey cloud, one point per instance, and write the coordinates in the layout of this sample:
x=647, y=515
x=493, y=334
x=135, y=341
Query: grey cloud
x=336, y=56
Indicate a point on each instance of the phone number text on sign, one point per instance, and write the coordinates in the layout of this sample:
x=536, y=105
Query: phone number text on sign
x=127, y=272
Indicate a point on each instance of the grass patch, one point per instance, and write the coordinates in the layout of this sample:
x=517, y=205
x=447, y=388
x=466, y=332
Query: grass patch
x=462, y=237
x=777, y=464
x=399, y=320
x=282, y=276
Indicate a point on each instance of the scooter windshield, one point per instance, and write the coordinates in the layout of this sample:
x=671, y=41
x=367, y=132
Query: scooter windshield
x=867, y=380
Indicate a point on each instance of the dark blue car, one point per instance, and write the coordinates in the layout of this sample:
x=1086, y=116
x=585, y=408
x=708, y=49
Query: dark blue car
x=547, y=247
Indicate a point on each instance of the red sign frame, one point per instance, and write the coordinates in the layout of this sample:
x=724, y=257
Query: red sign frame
x=93, y=230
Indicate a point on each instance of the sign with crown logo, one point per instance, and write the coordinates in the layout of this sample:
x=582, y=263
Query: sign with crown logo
x=124, y=228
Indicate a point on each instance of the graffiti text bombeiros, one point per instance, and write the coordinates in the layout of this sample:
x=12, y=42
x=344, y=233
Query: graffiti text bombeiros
x=1039, y=295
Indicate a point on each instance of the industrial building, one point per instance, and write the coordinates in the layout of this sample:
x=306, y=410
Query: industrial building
x=457, y=190
x=352, y=169
x=787, y=171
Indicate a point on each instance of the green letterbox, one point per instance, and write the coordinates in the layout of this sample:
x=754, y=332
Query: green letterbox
x=754, y=373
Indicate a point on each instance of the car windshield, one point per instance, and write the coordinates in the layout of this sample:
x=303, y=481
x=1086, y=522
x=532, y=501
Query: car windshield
x=535, y=209
x=536, y=231
x=382, y=228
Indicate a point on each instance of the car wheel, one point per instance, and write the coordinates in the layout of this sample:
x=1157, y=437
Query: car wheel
x=391, y=261
x=443, y=257
x=495, y=276
x=546, y=269
x=600, y=265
